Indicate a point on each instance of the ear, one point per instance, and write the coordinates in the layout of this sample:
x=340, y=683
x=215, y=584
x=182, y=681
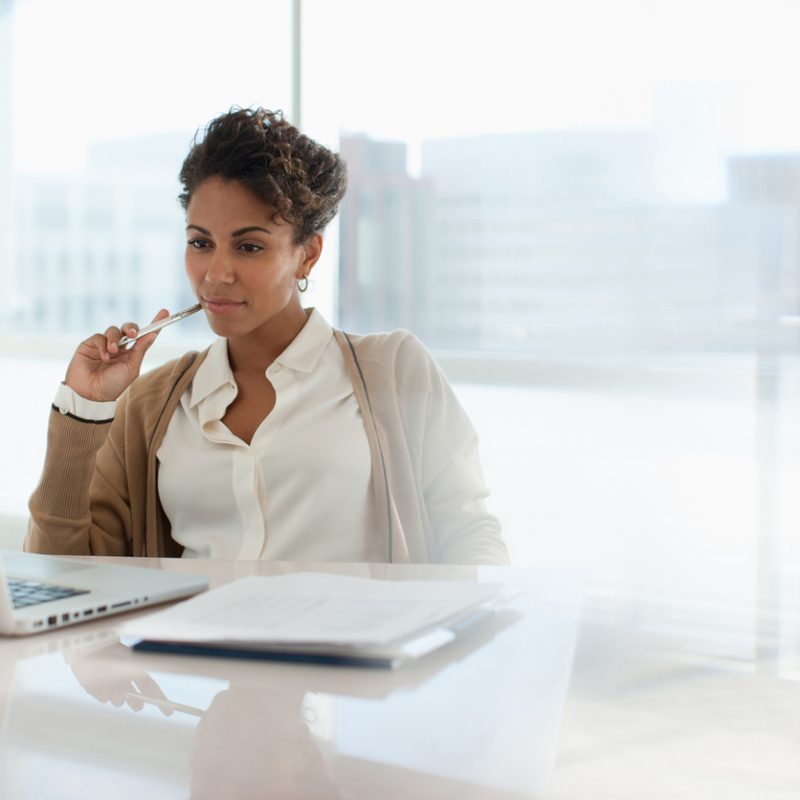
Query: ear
x=312, y=250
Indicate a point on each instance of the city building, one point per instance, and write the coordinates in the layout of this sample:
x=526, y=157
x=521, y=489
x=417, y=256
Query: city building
x=385, y=270
x=546, y=244
x=763, y=244
x=105, y=245
x=550, y=243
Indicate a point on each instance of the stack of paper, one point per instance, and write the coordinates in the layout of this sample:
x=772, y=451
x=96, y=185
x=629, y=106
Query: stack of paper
x=319, y=617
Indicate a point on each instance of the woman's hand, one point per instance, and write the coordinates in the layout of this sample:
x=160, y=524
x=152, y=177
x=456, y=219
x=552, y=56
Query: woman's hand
x=101, y=370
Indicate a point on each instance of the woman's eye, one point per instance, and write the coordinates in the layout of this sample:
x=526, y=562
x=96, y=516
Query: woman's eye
x=197, y=244
x=248, y=247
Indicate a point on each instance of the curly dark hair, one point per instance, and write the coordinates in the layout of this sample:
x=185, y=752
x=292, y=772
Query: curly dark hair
x=302, y=180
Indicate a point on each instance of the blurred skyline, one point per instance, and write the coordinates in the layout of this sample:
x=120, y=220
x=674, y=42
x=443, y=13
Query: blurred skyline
x=539, y=244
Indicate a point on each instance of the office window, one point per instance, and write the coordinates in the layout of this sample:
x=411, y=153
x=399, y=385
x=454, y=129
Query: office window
x=98, y=105
x=588, y=210
x=606, y=264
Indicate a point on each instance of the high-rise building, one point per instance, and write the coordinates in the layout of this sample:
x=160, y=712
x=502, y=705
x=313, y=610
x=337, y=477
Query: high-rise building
x=385, y=271
x=541, y=243
x=764, y=241
x=106, y=245
x=558, y=243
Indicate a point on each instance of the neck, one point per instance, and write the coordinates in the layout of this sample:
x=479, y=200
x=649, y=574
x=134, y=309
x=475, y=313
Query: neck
x=259, y=348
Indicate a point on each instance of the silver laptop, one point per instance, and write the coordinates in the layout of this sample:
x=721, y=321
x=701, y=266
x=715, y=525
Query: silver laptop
x=39, y=593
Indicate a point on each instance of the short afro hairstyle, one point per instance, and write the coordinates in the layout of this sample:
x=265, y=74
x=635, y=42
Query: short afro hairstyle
x=302, y=180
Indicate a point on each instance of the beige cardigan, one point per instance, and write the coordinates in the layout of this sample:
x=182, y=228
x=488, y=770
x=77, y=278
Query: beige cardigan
x=98, y=493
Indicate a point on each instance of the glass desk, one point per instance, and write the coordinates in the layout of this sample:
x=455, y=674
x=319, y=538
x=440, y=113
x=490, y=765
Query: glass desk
x=574, y=691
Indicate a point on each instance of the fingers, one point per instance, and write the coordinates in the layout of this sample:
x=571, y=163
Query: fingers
x=105, y=347
x=97, y=346
x=149, y=688
x=107, y=344
x=145, y=684
x=113, y=335
x=135, y=702
x=143, y=344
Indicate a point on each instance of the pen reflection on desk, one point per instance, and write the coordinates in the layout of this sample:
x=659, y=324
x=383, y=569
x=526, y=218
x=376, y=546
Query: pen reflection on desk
x=252, y=734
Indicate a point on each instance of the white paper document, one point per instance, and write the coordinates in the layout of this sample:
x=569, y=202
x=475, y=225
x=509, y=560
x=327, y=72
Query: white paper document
x=321, y=613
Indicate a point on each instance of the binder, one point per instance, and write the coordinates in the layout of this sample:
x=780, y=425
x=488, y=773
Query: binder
x=320, y=618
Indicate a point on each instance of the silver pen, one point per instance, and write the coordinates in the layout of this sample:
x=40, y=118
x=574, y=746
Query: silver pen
x=157, y=326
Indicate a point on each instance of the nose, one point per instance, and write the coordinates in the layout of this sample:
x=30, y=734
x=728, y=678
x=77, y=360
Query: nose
x=219, y=269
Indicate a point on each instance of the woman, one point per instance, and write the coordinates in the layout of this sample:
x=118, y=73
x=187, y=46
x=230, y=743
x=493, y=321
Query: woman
x=285, y=439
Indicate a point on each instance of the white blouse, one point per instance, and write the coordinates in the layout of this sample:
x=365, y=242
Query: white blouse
x=300, y=491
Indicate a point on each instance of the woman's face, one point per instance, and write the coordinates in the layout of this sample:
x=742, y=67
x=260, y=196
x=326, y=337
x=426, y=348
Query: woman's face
x=243, y=264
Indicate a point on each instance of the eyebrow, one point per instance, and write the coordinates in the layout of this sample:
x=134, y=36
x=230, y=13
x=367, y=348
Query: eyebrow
x=239, y=232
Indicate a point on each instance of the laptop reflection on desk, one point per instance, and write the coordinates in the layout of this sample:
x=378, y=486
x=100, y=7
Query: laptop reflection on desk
x=39, y=592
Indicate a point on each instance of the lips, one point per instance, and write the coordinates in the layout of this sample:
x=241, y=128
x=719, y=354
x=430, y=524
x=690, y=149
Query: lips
x=222, y=305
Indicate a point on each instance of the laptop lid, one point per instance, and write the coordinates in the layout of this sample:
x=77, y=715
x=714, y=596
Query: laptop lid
x=53, y=591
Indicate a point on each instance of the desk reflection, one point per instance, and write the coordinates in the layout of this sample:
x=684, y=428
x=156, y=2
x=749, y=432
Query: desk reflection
x=255, y=743
x=251, y=742
x=478, y=720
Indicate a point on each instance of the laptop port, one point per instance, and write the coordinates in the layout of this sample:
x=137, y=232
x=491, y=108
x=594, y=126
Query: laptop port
x=88, y=612
x=65, y=617
x=102, y=609
x=52, y=620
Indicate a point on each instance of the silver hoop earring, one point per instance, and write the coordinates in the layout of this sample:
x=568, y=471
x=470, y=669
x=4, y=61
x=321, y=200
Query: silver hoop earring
x=302, y=284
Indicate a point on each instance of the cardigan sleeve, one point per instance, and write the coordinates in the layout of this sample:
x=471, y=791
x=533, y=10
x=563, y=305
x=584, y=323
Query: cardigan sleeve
x=80, y=506
x=97, y=494
x=451, y=476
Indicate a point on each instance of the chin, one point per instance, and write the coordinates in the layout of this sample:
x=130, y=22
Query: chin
x=222, y=327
